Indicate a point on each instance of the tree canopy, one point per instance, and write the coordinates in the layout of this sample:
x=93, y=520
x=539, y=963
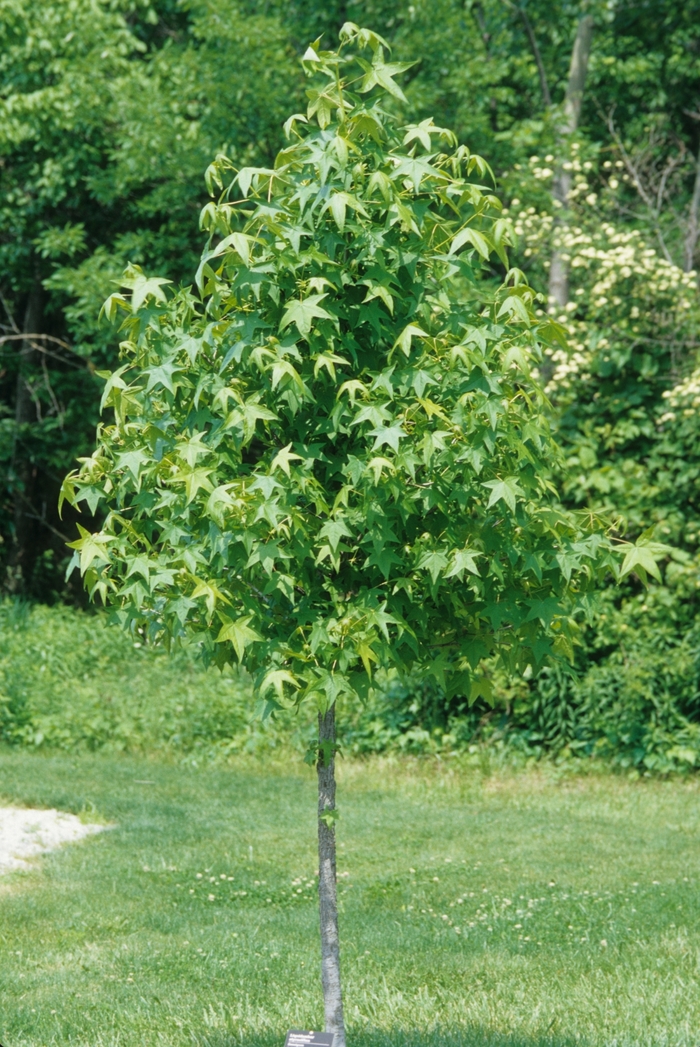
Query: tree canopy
x=336, y=458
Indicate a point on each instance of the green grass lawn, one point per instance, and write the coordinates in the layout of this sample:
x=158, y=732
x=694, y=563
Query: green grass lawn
x=504, y=910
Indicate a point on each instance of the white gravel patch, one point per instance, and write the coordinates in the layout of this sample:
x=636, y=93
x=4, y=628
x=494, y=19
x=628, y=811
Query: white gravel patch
x=26, y=834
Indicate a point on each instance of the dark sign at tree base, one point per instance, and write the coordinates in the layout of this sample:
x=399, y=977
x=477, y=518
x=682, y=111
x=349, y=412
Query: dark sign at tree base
x=298, y=1038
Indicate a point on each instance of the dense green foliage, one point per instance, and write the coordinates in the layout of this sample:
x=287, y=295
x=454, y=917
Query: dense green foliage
x=63, y=686
x=110, y=113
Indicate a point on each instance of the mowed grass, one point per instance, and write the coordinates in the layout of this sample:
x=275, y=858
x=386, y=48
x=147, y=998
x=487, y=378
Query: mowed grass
x=479, y=910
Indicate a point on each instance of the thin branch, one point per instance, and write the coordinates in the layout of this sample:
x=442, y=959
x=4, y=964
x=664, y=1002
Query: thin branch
x=478, y=15
x=22, y=336
x=671, y=164
x=34, y=346
x=49, y=388
x=536, y=53
x=633, y=172
x=544, y=86
x=34, y=515
x=10, y=317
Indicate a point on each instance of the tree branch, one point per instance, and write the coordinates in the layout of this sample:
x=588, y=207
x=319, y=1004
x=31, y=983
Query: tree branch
x=544, y=86
x=536, y=53
x=33, y=345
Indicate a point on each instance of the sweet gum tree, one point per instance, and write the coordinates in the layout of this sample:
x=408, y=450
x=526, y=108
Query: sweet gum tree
x=330, y=457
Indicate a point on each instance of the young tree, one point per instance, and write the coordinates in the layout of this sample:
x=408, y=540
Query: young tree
x=331, y=457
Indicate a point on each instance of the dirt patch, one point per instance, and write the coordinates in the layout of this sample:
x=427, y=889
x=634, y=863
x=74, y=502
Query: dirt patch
x=27, y=834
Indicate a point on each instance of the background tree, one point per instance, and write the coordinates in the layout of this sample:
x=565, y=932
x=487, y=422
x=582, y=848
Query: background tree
x=331, y=457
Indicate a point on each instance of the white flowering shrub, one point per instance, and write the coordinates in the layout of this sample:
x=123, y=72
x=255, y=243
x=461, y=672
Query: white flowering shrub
x=633, y=327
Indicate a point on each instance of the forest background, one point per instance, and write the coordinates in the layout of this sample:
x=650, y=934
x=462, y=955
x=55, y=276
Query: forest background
x=589, y=114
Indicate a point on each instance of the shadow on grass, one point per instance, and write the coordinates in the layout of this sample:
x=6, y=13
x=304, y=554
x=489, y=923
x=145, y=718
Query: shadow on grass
x=469, y=1036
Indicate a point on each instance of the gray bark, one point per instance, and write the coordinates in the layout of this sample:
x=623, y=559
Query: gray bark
x=578, y=70
x=561, y=187
x=21, y=557
x=327, y=884
x=693, y=231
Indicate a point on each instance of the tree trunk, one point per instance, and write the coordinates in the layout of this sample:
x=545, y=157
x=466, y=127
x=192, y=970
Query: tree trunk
x=578, y=69
x=21, y=557
x=693, y=231
x=327, y=887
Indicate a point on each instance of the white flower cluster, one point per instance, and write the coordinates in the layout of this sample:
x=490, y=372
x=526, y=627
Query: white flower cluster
x=684, y=398
x=624, y=296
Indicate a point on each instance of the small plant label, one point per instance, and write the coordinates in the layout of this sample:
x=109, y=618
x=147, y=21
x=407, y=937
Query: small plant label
x=297, y=1038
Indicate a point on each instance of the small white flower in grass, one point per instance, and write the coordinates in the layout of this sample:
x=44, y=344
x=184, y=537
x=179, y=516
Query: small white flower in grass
x=603, y=943
x=198, y=876
x=212, y=897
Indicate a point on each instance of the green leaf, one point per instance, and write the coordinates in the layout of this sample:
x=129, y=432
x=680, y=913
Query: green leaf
x=434, y=562
x=409, y=332
x=387, y=434
x=642, y=559
x=147, y=287
x=329, y=817
x=238, y=633
x=92, y=547
x=334, y=530
x=507, y=490
x=463, y=560
x=303, y=313
x=473, y=237
x=338, y=204
x=283, y=458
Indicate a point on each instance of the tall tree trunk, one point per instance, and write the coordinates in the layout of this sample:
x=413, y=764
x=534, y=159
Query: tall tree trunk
x=693, y=230
x=327, y=884
x=22, y=552
x=578, y=69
